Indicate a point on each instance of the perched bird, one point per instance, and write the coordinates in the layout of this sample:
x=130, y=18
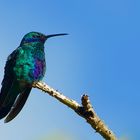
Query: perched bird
x=24, y=65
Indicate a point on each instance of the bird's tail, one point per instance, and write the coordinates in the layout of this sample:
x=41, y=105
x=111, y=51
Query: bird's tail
x=7, y=98
x=18, y=105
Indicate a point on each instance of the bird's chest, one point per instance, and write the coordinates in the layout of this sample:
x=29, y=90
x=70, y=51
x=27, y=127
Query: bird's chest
x=39, y=69
x=30, y=65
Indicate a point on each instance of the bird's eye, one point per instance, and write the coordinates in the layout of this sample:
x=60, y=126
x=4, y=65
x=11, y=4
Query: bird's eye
x=34, y=36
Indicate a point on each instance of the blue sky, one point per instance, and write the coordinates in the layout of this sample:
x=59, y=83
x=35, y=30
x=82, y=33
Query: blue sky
x=100, y=57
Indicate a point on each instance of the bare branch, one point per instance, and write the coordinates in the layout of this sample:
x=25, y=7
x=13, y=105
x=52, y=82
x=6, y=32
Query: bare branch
x=85, y=110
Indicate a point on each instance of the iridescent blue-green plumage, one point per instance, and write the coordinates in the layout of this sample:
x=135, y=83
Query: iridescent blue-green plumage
x=24, y=66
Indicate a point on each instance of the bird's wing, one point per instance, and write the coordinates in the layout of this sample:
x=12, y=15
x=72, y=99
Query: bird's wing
x=18, y=105
x=9, y=90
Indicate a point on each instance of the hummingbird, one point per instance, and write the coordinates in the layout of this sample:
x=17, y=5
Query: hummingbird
x=24, y=66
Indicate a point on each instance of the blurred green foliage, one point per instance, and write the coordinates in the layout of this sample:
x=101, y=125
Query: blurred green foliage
x=58, y=136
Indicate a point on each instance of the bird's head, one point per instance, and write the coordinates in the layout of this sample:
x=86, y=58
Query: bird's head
x=37, y=38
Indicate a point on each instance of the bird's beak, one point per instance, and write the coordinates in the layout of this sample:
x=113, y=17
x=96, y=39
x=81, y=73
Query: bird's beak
x=53, y=35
